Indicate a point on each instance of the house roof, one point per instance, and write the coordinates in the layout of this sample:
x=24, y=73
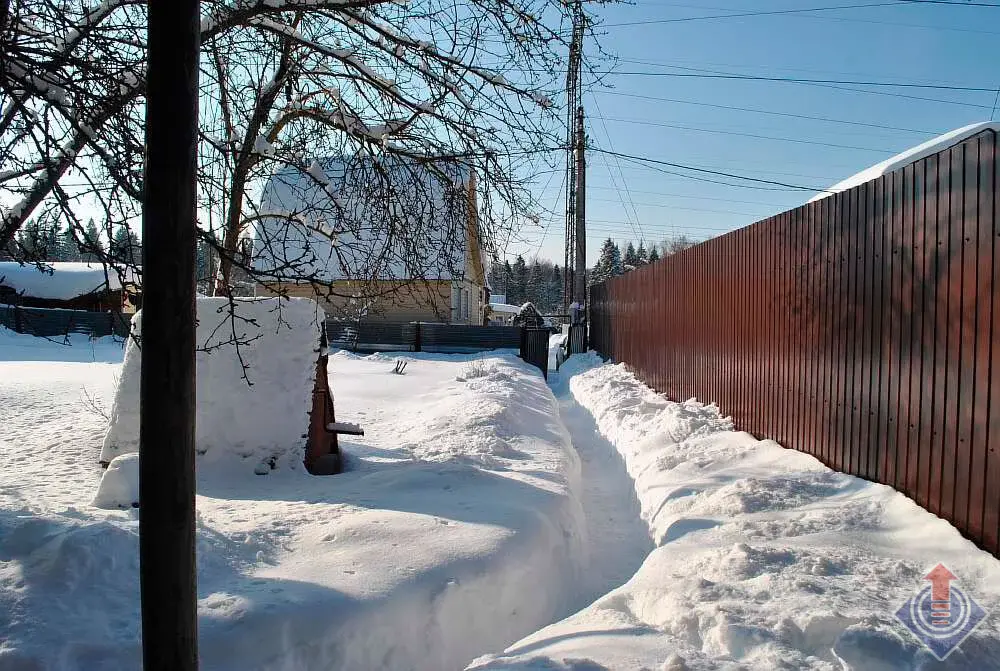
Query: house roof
x=911, y=155
x=360, y=219
x=60, y=280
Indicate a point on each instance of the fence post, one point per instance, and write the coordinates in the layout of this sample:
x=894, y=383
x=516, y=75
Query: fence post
x=416, y=337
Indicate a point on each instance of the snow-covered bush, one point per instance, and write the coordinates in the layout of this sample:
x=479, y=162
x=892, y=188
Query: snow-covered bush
x=255, y=370
x=477, y=368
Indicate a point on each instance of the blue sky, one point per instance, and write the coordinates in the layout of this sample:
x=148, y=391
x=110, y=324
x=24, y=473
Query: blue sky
x=907, y=42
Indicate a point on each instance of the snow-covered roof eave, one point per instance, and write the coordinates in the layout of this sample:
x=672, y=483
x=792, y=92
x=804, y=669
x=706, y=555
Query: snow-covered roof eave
x=68, y=280
x=912, y=155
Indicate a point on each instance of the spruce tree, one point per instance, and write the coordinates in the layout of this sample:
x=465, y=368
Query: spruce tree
x=91, y=248
x=654, y=255
x=556, y=292
x=640, y=255
x=518, y=289
x=617, y=267
x=630, y=256
x=125, y=246
x=604, y=268
x=533, y=284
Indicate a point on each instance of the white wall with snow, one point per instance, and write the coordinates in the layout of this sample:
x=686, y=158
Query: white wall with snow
x=247, y=423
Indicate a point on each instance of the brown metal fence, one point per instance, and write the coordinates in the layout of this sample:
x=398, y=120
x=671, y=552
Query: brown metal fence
x=862, y=328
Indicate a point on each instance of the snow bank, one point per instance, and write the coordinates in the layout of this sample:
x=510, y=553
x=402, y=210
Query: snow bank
x=66, y=281
x=765, y=558
x=456, y=530
x=912, y=155
x=273, y=344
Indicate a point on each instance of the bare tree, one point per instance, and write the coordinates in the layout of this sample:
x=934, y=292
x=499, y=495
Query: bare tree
x=402, y=94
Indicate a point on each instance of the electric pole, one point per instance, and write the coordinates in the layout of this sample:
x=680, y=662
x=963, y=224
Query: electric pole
x=580, y=269
x=575, y=266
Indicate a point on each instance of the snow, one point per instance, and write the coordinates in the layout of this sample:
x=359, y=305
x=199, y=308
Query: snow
x=66, y=281
x=273, y=343
x=912, y=155
x=455, y=530
x=344, y=427
x=764, y=558
x=588, y=525
x=119, y=486
x=505, y=308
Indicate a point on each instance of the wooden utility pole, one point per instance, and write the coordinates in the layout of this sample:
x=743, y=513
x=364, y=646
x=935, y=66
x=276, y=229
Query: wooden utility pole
x=575, y=263
x=580, y=269
x=168, y=578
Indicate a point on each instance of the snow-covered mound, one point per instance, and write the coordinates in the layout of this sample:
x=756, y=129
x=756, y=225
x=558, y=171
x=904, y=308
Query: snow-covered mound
x=256, y=366
x=912, y=155
x=765, y=558
x=456, y=529
x=59, y=280
x=119, y=488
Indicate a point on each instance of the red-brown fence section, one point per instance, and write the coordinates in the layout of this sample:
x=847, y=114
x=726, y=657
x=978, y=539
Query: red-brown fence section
x=862, y=328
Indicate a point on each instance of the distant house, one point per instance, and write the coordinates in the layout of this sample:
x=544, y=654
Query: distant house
x=394, y=240
x=67, y=285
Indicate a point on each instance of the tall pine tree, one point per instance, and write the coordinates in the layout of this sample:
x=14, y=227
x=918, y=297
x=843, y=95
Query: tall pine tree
x=654, y=255
x=640, y=255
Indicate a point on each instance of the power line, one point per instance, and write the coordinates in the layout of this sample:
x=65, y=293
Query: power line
x=646, y=122
x=681, y=166
x=607, y=134
x=686, y=19
x=769, y=112
x=890, y=94
x=797, y=80
x=804, y=15
x=689, y=196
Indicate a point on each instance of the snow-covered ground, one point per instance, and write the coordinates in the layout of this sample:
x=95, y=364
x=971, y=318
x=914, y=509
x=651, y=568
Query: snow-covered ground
x=481, y=505
x=764, y=559
x=457, y=529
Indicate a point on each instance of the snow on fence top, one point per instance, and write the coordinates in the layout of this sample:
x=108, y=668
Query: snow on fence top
x=912, y=155
x=58, y=280
x=249, y=425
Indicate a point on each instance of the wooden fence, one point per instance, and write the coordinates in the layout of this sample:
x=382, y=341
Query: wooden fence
x=861, y=328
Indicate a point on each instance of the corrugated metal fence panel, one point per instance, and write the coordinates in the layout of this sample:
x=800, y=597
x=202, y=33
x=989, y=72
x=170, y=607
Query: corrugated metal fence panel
x=862, y=328
x=56, y=323
x=459, y=337
x=413, y=336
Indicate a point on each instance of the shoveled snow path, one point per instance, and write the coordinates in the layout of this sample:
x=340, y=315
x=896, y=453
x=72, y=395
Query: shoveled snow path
x=618, y=538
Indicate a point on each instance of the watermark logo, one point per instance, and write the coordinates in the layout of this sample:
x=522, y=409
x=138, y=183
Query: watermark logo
x=941, y=614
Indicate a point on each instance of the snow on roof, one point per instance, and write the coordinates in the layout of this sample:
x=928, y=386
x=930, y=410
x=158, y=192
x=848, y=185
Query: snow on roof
x=344, y=219
x=58, y=280
x=504, y=307
x=912, y=155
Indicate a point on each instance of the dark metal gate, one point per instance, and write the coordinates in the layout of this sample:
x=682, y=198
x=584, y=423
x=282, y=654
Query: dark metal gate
x=535, y=348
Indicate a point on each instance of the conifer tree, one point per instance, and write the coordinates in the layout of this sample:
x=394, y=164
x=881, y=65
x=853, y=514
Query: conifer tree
x=630, y=258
